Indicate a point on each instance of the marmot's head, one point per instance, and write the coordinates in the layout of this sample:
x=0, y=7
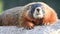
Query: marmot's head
x=36, y=10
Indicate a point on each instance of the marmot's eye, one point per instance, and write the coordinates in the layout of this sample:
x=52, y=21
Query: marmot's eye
x=38, y=10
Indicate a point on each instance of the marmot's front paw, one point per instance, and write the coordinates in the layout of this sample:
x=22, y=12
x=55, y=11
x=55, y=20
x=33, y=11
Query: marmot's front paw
x=46, y=23
x=28, y=25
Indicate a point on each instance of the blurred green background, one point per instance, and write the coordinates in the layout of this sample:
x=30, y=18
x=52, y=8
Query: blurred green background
x=1, y=6
x=7, y=4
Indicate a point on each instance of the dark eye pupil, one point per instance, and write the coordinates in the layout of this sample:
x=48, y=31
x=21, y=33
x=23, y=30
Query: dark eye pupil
x=38, y=10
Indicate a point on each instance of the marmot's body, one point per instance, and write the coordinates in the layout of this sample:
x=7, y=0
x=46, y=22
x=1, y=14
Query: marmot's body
x=36, y=13
x=10, y=16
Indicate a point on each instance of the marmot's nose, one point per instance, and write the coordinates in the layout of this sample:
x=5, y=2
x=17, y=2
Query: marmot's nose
x=38, y=9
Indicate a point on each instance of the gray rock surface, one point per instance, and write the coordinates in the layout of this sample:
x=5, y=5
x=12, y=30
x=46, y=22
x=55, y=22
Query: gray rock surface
x=53, y=29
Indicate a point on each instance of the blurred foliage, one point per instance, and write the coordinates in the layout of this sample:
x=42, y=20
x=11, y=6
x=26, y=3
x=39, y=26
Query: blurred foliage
x=55, y=4
x=1, y=6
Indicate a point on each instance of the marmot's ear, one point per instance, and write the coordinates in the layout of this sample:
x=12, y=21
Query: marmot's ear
x=28, y=7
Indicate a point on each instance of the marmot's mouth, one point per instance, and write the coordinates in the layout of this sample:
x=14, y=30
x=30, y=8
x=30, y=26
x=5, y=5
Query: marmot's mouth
x=39, y=17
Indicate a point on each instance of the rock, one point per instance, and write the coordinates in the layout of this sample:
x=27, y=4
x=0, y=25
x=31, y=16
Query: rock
x=53, y=29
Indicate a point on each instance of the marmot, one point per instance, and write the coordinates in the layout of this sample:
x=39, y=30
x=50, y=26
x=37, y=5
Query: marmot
x=30, y=15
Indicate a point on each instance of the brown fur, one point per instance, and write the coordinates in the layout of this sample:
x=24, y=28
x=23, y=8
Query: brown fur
x=25, y=20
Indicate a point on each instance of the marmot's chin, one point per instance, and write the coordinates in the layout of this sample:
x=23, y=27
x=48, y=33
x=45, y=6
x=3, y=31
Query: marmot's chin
x=39, y=17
